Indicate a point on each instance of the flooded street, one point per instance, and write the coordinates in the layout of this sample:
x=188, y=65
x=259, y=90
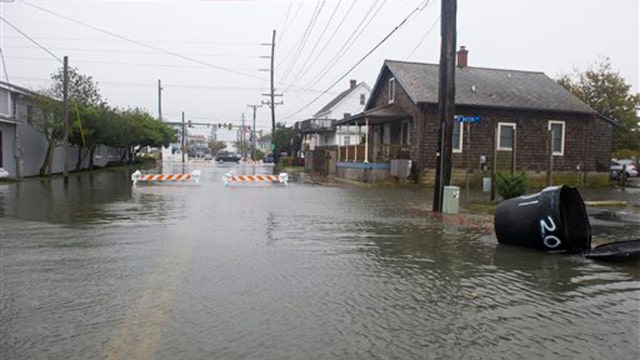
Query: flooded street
x=106, y=270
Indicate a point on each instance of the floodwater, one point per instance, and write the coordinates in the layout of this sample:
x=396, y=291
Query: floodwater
x=107, y=270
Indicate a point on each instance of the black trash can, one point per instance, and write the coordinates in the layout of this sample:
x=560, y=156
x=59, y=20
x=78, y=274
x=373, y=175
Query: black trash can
x=554, y=219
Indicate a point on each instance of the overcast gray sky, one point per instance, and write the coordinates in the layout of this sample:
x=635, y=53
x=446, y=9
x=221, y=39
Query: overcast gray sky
x=208, y=52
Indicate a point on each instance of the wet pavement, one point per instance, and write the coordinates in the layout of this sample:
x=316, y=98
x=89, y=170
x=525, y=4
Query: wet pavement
x=106, y=270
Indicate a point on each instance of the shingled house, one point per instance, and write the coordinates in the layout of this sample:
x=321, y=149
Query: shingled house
x=508, y=107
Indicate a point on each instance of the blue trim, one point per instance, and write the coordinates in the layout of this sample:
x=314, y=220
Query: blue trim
x=360, y=165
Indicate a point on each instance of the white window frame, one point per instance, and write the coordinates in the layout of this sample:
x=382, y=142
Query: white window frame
x=392, y=90
x=513, y=128
x=562, y=123
x=9, y=105
x=461, y=141
x=406, y=123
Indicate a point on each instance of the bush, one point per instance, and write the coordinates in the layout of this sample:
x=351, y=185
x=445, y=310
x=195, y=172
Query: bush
x=511, y=185
x=285, y=161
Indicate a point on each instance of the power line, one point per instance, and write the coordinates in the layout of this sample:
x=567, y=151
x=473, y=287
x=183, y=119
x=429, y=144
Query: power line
x=286, y=19
x=292, y=49
x=404, y=21
x=55, y=38
x=140, y=43
x=80, y=61
x=30, y=39
x=424, y=37
x=331, y=63
x=134, y=52
x=305, y=38
x=306, y=61
x=335, y=31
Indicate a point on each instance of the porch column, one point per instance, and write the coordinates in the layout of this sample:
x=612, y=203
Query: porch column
x=346, y=156
x=355, y=145
x=338, y=131
x=366, y=142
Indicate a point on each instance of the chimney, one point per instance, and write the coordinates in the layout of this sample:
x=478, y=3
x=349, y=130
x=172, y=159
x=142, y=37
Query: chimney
x=352, y=84
x=462, y=57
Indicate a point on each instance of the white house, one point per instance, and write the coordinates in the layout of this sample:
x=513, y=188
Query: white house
x=320, y=130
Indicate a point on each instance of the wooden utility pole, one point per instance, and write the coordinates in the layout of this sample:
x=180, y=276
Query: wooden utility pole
x=159, y=100
x=184, y=134
x=253, y=131
x=271, y=103
x=446, y=99
x=65, y=100
x=242, y=139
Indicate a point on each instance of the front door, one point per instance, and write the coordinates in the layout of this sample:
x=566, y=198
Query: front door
x=386, y=139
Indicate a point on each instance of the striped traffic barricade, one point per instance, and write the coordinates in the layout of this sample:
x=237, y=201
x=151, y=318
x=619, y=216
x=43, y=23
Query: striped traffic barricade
x=282, y=178
x=192, y=177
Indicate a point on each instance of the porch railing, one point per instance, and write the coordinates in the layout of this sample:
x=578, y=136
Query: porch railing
x=377, y=153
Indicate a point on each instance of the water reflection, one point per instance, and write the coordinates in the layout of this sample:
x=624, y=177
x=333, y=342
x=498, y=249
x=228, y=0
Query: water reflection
x=104, y=269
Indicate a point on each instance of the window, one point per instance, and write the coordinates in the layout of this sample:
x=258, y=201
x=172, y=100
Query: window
x=557, y=132
x=505, y=136
x=392, y=90
x=347, y=141
x=346, y=115
x=456, y=138
x=5, y=103
x=29, y=113
x=404, y=133
x=362, y=99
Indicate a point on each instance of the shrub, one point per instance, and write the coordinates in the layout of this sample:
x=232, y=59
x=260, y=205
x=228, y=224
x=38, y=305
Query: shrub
x=511, y=185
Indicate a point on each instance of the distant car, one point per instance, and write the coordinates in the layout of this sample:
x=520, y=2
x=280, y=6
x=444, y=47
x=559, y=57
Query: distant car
x=268, y=159
x=628, y=165
x=208, y=157
x=226, y=156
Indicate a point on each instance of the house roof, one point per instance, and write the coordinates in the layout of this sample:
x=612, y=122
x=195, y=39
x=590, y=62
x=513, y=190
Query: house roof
x=486, y=87
x=337, y=99
x=377, y=115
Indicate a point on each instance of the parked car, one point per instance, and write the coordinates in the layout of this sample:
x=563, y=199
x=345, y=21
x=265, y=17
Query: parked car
x=268, y=159
x=628, y=165
x=226, y=156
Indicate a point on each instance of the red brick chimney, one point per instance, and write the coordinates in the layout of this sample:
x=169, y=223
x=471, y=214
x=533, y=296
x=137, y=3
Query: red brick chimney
x=352, y=84
x=462, y=57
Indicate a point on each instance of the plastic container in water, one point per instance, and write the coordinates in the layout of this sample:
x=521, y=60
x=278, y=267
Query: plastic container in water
x=554, y=219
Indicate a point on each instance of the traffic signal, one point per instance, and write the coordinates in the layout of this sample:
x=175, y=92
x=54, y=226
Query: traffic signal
x=229, y=126
x=190, y=124
x=219, y=126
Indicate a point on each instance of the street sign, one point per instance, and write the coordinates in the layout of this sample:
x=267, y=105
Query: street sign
x=468, y=119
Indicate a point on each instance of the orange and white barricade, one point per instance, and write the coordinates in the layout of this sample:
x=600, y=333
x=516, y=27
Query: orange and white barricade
x=282, y=178
x=192, y=177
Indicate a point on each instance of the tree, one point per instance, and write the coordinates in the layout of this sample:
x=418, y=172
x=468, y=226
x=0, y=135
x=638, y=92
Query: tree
x=605, y=91
x=83, y=92
x=82, y=88
x=216, y=146
x=283, y=138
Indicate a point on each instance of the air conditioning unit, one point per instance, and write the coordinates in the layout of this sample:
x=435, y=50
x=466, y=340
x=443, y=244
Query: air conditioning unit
x=400, y=168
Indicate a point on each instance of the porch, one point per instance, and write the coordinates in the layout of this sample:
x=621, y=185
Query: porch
x=385, y=153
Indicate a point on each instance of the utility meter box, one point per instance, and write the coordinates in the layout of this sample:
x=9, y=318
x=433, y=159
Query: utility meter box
x=450, y=199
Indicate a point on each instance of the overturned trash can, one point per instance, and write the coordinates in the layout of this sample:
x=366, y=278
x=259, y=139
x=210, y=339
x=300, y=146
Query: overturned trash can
x=554, y=219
